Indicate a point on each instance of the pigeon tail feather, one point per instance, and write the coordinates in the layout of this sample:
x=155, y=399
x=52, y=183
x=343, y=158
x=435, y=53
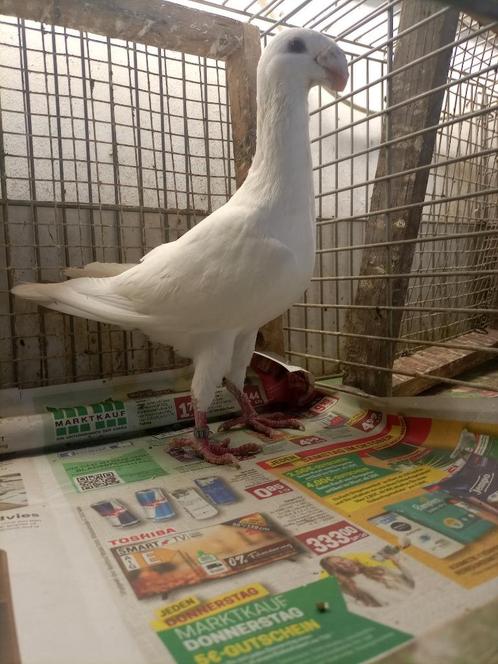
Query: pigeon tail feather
x=87, y=298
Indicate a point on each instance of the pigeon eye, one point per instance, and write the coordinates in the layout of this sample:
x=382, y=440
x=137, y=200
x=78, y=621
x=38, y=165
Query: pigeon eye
x=296, y=45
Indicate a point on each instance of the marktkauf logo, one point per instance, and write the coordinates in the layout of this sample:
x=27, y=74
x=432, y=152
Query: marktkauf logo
x=87, y=420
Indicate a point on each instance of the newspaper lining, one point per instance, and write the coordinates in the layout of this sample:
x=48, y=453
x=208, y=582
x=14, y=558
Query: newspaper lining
x=353, y=537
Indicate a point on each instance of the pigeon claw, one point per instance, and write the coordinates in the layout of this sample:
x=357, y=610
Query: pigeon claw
x=265, y=424
x=218, y=452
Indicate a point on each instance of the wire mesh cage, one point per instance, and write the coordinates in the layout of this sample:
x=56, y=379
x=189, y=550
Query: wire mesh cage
x=111, y=146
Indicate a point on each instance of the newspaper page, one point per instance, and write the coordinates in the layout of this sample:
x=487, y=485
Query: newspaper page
x=78, y=413
x=339, y=543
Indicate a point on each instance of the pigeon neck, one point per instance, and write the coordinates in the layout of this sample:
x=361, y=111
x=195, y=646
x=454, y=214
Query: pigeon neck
x=283, y=152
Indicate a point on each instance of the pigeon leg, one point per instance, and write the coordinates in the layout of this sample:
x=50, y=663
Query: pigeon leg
x=212, y=451
x=264, y=424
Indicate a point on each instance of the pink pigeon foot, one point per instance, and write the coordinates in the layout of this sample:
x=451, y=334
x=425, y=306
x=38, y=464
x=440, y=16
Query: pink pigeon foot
x=212, y=451
x=218, y=452
x=264, y=424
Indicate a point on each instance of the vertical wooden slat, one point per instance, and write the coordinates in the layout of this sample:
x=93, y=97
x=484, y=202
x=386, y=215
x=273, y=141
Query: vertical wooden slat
x=404, y=190
x=241, y=80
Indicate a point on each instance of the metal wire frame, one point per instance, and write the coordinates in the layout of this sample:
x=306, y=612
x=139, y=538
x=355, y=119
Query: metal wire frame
x=418, y=342
x=445, y=286
x=120, y=125
x=130, y=147
x=370, y=41
x=408, y=206
x=262, y=19
x=466, y=175
x=393, y=141
x=466, y=67
x=410, y=374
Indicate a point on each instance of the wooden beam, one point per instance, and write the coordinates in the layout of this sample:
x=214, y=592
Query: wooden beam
x=399, y=191
x=443, y=362
x=271, y=337
x=483, y=11
x=485, y=20
x=241, y=69
x=153, y=22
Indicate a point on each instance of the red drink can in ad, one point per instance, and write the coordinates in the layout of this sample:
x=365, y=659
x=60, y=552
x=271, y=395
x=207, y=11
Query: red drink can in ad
x=155, y=504
x=115, y=512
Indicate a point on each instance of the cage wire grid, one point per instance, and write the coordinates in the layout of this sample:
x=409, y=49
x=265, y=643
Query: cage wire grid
x=110, y=148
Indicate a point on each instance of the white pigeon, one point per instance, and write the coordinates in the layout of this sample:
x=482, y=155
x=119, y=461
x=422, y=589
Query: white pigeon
x=207, y=293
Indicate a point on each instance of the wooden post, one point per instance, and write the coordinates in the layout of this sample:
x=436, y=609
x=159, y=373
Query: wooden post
x=241, y=69
x=399, y=191
x=168, y=25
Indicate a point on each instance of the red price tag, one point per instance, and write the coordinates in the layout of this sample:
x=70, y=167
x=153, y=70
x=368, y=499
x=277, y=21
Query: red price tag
x=337, y=421
x=268, y=490
x=184, y=408
x=330, y=538
x=304, y=441
x=323, y=405
x=369, y=421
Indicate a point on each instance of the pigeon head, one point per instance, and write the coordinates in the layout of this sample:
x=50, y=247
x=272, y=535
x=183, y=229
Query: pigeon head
x=308, y=55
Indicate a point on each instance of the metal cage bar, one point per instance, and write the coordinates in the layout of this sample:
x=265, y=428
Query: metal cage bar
x=148, y=149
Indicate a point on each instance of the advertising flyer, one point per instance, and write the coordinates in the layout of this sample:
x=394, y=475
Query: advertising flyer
x=76, y=414
x=344, y=542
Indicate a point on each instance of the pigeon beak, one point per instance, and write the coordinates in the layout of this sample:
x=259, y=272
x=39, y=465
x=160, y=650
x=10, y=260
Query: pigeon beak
x=334, y=62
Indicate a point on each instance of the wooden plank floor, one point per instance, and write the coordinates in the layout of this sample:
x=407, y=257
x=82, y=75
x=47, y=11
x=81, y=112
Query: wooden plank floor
x=443, y=362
